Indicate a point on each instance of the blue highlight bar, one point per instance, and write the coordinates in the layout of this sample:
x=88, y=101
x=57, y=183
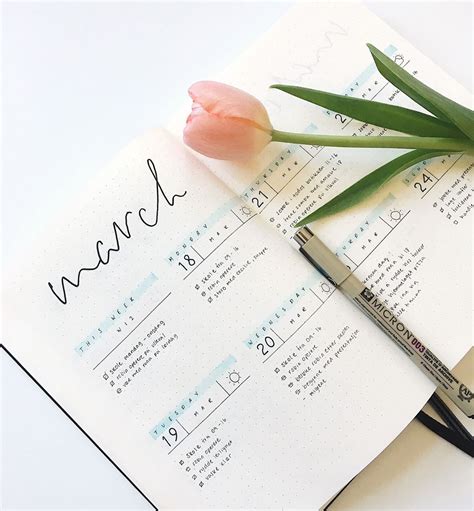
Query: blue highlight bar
x=128, y=302
x=375, y=213
x=186, y=403
x=284, y=307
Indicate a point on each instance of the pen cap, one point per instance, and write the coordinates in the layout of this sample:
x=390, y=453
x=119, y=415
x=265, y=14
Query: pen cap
x=321, y=257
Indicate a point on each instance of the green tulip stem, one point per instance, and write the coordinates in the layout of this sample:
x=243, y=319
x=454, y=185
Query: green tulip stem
x=403, y=142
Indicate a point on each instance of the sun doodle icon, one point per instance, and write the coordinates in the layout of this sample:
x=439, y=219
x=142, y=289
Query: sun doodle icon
x=399, y=59
x=395, y=215
x=245, y=210
x=234, y=377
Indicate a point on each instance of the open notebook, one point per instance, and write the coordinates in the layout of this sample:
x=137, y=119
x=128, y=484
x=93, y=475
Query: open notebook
x=172, y=317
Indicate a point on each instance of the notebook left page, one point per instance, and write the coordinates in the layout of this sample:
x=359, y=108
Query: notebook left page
x=106, y=312
x=136, y=312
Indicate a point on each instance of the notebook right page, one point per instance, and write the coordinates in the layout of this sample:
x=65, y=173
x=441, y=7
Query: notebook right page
x=411, y=241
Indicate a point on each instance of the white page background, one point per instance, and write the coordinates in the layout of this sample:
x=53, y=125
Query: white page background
x=66, y=111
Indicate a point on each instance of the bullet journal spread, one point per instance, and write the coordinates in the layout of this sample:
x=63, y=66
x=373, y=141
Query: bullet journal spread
x=170, y=314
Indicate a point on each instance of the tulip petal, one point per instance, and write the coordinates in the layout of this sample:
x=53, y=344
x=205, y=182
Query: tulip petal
x=224, y=138
x=224, y=100
x=225, y=122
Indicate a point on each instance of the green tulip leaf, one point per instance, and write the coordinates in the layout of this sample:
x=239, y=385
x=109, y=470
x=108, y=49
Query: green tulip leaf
x=373, y=112
x=369, y=184
x=439, y=105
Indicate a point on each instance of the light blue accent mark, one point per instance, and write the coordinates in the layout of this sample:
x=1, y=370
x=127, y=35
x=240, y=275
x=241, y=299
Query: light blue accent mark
x=368, y=72
x=374, y=214
x=275, y=164
x=413, y=172
x=365, y=75
x=217, y=215
x=186, y=403
x=283, y=308
x=126, y=304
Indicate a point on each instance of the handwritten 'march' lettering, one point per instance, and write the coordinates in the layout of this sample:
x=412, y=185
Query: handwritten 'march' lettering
x=117, y=229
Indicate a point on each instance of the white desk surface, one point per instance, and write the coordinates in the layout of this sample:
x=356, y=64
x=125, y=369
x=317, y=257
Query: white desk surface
x=79, y=80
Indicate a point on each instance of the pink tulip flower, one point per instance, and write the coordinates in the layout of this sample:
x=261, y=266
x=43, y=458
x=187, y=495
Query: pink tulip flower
x=226, y=123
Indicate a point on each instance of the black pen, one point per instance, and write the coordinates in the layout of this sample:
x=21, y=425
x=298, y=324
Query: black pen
x=319, y=255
